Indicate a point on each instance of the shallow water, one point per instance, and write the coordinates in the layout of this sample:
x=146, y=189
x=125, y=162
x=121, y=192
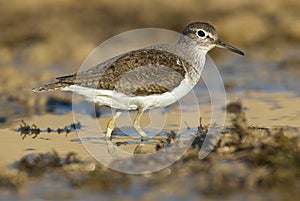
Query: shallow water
x=263, y=86
x=238, y=76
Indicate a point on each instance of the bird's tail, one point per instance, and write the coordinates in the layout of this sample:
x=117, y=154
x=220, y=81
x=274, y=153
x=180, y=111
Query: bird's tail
x=62, y=82
x=51, y=87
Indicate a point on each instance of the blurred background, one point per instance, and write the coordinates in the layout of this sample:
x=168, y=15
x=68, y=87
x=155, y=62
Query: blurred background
x=40, y=40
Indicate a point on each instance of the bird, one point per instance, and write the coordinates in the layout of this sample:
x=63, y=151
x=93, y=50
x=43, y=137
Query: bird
x=146, y=78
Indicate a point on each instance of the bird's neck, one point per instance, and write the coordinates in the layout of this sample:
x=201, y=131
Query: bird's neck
x=192, y=50
x=195, y=56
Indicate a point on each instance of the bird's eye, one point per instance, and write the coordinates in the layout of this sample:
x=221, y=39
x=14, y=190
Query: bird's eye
x=201, y=33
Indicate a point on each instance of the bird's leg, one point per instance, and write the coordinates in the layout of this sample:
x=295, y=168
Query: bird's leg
x=137, y=123
x=111, y=124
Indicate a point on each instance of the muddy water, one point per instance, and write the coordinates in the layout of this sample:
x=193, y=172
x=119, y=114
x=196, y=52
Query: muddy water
x=239, y=76
x=269, y=93
x=269, y=100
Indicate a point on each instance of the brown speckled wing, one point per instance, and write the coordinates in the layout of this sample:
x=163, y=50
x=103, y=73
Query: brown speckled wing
x=137, y=73
x=143, y=72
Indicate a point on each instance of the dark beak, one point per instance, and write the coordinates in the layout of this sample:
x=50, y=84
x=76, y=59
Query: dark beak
x=221, y=44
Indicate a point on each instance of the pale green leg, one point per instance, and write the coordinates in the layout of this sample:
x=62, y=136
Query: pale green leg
x=111, y=124
x=137, y=123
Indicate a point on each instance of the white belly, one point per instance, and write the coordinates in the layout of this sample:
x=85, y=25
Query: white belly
x=118, y=100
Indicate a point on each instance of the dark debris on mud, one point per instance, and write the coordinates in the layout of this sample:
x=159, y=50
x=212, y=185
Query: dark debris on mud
x=245, y=159
x=72, y=170
x=26, y=130
x=39, y=164
x=68, y=169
